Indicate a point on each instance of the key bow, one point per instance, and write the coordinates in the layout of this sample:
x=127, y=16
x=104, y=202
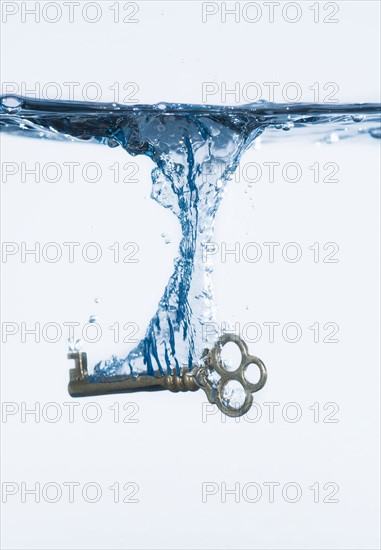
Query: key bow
x=215, y=386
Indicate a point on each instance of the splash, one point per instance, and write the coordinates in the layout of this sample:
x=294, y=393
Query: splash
x=195, y=149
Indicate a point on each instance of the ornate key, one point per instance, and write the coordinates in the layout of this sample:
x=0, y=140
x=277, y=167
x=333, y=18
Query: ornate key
x=231, y=390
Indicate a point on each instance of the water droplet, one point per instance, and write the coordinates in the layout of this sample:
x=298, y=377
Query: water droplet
x=164, y=236
x=11, y=103
x=357, y=118
x=97, y=300
x=161, y=106
x=92, y=319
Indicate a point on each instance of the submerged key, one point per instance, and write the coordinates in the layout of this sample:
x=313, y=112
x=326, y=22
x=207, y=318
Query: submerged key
x=231, y=390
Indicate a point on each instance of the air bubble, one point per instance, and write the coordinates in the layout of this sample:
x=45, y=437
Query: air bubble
x=11, y=104
x=287, y=126
x=166, y=238
x=111, y=142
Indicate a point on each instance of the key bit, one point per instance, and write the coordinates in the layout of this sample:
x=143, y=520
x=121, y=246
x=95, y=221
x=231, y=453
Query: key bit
x=211, y=375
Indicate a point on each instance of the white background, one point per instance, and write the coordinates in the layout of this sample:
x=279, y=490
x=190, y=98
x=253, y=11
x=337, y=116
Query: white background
x=170, y=452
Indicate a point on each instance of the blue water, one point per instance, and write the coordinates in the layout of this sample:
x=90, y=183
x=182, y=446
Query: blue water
x=195, y=149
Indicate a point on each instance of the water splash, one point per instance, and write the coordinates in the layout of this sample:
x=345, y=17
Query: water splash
x=196, y=149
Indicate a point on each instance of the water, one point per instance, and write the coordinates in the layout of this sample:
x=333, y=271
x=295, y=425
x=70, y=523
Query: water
x=195, y=149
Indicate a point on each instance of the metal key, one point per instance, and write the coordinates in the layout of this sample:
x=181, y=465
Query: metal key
x=211, y=375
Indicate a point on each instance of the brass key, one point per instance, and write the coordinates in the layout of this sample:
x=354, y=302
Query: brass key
x=212, y=375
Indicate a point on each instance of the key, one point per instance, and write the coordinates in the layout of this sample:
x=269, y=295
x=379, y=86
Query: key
x=211, y=375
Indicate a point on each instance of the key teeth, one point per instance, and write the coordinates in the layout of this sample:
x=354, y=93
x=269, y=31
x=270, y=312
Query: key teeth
x=80, y=371
x=79, y=375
